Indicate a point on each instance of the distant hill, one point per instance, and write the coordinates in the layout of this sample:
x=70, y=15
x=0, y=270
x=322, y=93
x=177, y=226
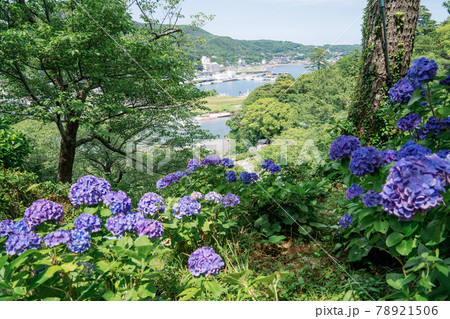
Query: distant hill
x=228, y=50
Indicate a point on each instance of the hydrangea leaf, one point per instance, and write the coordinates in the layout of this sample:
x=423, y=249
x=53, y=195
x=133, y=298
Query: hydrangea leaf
x=393, y=239
x=46, y=275
x=405, y=247
x=381, y=226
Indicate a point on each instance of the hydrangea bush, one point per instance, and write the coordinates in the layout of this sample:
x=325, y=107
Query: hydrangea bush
x=405, y=209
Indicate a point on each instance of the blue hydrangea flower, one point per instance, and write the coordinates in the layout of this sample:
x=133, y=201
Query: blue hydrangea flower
x=193, y=165
x=88, y=222
x=254, y=177
x=343, y=147
x=415, y=184
x=205, y=261
x=245, y=177
x=117, y=202
x=151, y=203
x=6, y=228
x=412, y=149
x=211, y=160
x=186, y=206
x=389, y=156
x=131, y=220
x=422, y=70
x=150, y=228
x=266, y=163
x=354, y=191
x=20, y=226
x=402, y=91
x=57, y=237
x=18, y=243
x=179, y=174
x=230, y=200
x=371, y=198
x=117, y=224
x=231, y=176
x=80, y=241
x=442, y=154
x=274, y=168
x=213, y=196
x=166, y=181
x=409, y=122
x=196, y=195
x=41, y=211
x=227, y=162
x=345, y=221
x=365, y=160
x=88, y=190
x=433, y=127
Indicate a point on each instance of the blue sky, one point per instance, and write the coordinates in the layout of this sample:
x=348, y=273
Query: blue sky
x=302, y=21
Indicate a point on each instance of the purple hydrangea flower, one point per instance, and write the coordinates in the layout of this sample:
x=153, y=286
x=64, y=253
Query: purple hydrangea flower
x=131, y=220
x=151, y=203
x=18, y=243
x=389, y=156
x=88, y=222
x=150, y=228
x=211, y=160
x=422, y=70
x=186, y=206
x=117, y=224
x=230, y=200
x=231, y=176
x=371, y=198
x=205, y=261
x=414, y=184
x=196, y=195
x=166, y=181
x=274, y=168
x=193, y=165
x=58, y=237
x=365, y=160
x=117, y=202
x=266, y=163
x=41, y=211
x=245, y=177
x=345, y=221
x=88, y=190
x=432, y=127
x=402, y=91
x=409, y=122
x=254, y=177
x=80, y=241
x=354, y=191
x=227, y=162
x=412, y=149
x=179, y=174
x=6, y=228
x=214, y=197
x=442, y=154
x=343, y=147
x=20, y=226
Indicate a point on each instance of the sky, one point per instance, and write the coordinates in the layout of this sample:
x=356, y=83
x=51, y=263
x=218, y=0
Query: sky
x=303, y=21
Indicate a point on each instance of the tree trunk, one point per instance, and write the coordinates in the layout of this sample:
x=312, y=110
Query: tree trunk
x=374, y=80
x=67, y=152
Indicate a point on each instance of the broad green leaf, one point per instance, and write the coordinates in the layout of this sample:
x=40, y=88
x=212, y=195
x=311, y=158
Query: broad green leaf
x=276, y=239
x=44, y=276
x=240, y=278
x=381, y=226
x=189, y=293
x=405, y=246
x=393, y=239
x=213, y=287
x=146, y=291
x=395, y=280
x=68, y=267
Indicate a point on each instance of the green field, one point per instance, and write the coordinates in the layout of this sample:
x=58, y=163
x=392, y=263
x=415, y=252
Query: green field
x=223, y=103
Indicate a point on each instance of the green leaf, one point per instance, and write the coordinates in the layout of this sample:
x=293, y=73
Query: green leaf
x=405, y=246
x=395, y=280
x=68, y=267
x=276, y=239
x=125, y=242
x=266, y=279
x=189, y=293
x=146, y=291
x=393, y=239
x=381, y=226
x=214, y=288
x=240, y=278
x=444, y=269
x=46, y=275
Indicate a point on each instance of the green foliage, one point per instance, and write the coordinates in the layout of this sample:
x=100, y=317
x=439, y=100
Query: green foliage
x=14, y=147
x=318, y=59
x=19, y=189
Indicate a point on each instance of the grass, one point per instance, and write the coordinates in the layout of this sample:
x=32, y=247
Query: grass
x=222, y=103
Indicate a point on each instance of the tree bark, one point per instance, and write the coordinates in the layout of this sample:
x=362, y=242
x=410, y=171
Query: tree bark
x=374, y=81
x=67, y=152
